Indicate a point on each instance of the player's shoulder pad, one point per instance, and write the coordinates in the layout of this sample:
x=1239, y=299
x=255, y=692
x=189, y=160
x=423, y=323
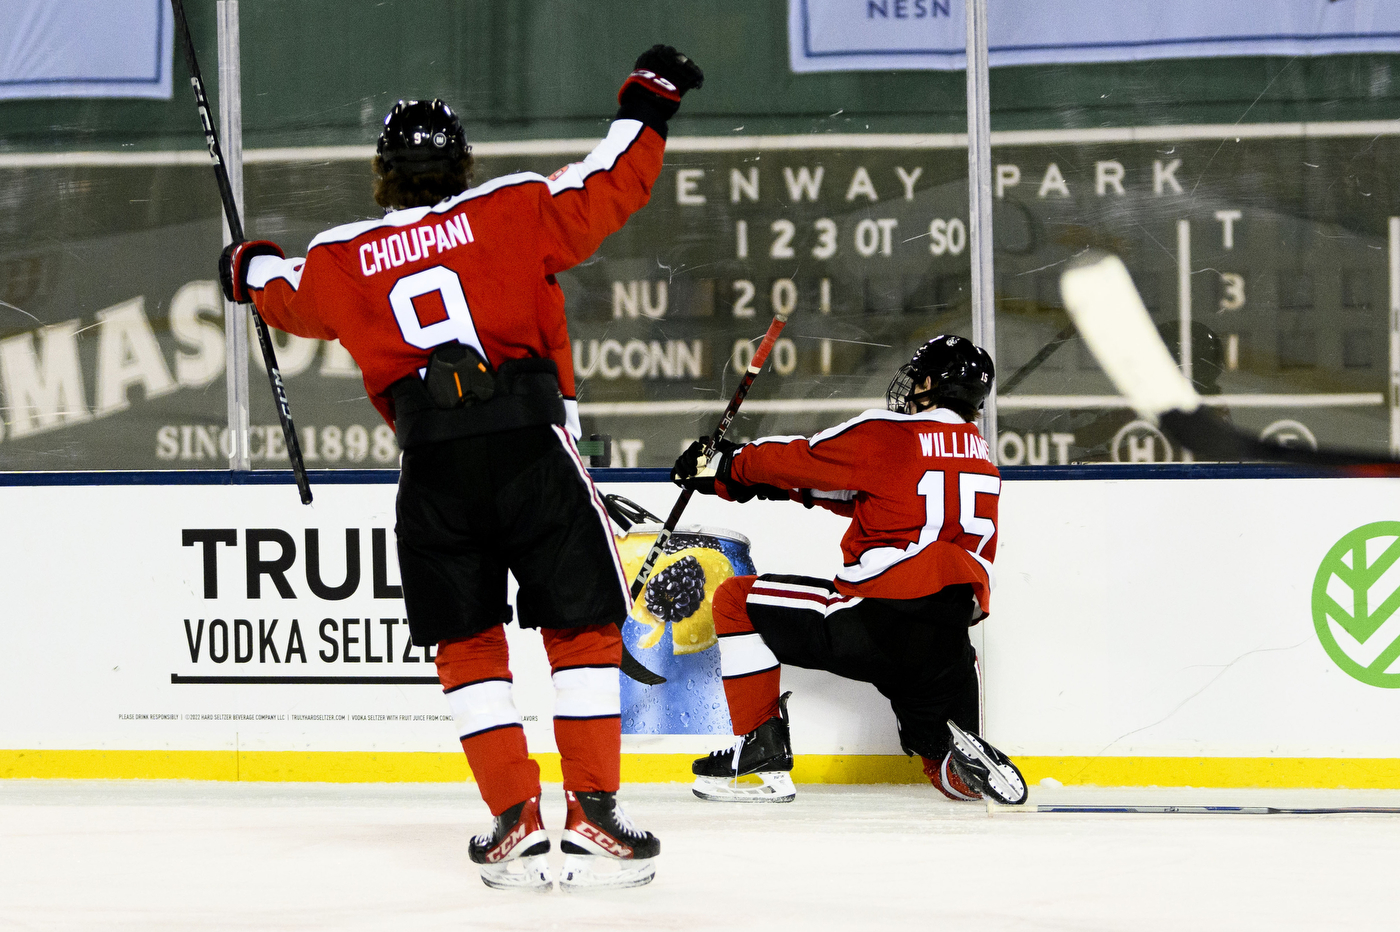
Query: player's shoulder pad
x=776, y=439
x=875, y=415
x=407, y=218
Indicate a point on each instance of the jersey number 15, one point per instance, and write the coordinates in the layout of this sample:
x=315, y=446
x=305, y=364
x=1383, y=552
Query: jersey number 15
x=970, y=485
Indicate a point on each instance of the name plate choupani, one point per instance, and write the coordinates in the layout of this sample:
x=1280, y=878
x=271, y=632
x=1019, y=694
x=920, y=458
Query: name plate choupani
x=881, y=35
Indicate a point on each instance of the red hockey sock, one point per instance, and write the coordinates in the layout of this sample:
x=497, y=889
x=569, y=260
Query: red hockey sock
x=587, y=705
x=475, y=676
x=752, y=677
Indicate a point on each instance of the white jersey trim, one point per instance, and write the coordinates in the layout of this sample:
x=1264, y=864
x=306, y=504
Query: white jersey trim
x=936, y=415
x=263, y=269
x=877, y=560
x=779, y=439
x=603, y=158
x=604, y=519
x=571, y=418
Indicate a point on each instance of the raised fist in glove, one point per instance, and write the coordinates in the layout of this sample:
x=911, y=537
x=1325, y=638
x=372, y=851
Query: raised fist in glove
x=233, y=266
x=652, y=92
x=679, y=73
x=711, y=475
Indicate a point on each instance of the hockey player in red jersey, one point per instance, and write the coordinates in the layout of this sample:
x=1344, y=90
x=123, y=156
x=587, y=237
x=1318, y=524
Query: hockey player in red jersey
x=919, y=486
x=450, y=306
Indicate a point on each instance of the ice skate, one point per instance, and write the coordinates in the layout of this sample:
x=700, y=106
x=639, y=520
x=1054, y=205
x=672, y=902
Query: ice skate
x=946, y=779
x=985, y=769
x=602, y=848
x=512, y=855
x=765, y=751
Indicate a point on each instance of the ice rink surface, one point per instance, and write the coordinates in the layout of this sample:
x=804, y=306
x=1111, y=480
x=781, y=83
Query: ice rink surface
x=163, y=855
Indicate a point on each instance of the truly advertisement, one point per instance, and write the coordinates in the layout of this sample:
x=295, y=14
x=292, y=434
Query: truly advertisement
x=300, y=628
x=1130, y=618
x=220, y=617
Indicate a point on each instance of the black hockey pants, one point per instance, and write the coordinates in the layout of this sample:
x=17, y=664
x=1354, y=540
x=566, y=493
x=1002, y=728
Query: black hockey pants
x=915, y=652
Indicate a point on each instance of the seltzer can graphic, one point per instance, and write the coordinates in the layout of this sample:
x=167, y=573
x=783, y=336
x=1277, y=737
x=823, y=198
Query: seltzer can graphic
x=671, y=629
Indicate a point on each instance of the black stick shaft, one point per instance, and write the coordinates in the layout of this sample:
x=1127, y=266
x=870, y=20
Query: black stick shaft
x=760, y=356
x=630, y=665
x=235, y=226
x=1019, y=376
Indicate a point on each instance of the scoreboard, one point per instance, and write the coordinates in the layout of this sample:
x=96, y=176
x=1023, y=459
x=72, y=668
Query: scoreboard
x=1284, y=244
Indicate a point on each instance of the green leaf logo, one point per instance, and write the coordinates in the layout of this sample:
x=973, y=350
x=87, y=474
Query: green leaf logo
x=1355, y=596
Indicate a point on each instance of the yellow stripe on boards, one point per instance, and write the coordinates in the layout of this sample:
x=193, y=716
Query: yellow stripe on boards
x=1357, y=773
x=446, y=767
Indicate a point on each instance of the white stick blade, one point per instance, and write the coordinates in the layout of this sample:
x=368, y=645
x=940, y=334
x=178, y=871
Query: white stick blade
x=1104, y=304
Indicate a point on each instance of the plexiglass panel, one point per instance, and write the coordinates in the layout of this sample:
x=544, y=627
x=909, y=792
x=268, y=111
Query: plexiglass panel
x=1269, y=246
x=840, y=197
x=1250, y=197
x=111, y=324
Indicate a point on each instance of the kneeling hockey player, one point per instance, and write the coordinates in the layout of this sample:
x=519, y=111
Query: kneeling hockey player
x=450, y=306
x=922, y=493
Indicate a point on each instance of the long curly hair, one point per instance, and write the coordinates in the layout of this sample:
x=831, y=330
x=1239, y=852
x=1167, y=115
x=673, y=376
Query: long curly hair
x=397, y=190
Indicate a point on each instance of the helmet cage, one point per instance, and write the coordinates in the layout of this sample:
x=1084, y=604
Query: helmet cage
x=958, y=370
x=901, y=387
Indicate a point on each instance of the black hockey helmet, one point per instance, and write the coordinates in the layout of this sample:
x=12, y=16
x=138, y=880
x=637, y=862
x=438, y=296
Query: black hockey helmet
x=422, y=136
x=960, y=372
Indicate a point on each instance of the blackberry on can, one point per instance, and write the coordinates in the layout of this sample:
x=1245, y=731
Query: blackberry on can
x=676, y=592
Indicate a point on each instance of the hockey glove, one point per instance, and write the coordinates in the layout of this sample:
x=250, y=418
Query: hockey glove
x=672, y=66
x=712, y=476
x=652, y=92
x=233, y=266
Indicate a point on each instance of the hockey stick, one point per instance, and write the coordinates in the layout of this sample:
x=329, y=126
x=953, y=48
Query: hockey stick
x=638, y=672
x=1019, y=376
x=235, y=226
x=1105, y=306
x=1223, y=810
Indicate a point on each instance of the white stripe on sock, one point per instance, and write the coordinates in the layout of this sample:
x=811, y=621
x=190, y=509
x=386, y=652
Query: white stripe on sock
x=742, y=654
x=482, y=706
x=587, y=692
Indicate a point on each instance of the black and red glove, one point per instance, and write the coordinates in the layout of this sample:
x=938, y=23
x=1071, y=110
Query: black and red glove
x=233, y=266
x=712, y=477
x=652, y=92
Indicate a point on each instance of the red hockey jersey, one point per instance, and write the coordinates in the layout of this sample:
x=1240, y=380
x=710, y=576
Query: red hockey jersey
x=920, y=489
x=477, y=268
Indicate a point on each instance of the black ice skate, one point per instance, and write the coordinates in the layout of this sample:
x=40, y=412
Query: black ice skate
x=512, y=855
x=765, y=751
x=985, y=769
x=946, y=779
x=597, y=833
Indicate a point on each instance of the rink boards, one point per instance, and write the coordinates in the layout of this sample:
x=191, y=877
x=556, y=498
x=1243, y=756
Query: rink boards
x=1146, y=630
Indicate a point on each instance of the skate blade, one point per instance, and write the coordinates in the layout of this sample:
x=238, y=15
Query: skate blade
x=1004, y=781
x=529, y=873
x=591, y=872
x=776, y=787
